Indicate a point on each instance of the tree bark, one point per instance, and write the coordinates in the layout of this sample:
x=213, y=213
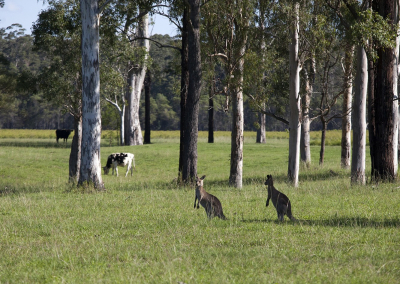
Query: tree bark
x=136, y=76
x=383, y=167
x=237, y=139
x=346, y=119
x=294, y=101
x=323, y=138
x=90, y=171
x=236, y=172
x=305, y=149
x=211, y=113
x=184, y=87
x=189, y=163
x=147, y=127
x=261, y=131
x=359, y=119
x=396, y=115
x=75, y=155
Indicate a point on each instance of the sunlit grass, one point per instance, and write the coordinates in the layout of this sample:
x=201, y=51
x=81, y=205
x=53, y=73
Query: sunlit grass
x=111, y=137
x=144, y=229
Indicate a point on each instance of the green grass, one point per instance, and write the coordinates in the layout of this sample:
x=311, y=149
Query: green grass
x=143, y=229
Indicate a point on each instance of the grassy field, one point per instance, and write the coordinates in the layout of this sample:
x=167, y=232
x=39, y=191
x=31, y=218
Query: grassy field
x=143, y=229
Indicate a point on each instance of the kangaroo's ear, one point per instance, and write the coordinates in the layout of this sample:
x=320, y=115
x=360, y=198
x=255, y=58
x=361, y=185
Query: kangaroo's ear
x=268, y=176
x=203, y=177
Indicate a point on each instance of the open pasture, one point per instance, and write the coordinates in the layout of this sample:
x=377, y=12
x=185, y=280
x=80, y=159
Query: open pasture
x=144, y=229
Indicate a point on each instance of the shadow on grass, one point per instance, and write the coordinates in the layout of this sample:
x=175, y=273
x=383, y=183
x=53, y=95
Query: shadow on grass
x=35, y=144
x=322, y=174
x=359, y=222
x=46, y=143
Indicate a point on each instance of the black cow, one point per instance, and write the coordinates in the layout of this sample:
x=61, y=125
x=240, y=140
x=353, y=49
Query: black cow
x=63, y=133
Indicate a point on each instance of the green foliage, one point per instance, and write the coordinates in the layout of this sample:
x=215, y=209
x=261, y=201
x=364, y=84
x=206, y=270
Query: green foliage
x=373, y=26
x=144, y=228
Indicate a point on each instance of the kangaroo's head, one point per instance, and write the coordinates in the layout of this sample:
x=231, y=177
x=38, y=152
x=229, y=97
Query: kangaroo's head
x=199, y=181
x=269, y=180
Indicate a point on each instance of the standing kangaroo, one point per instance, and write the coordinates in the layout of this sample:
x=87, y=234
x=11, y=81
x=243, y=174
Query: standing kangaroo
x=280, y=200
x=211, y=204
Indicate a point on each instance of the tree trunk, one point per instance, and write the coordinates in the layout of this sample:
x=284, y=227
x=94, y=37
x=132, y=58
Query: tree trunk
x=122, y=124
x=371, y=109
x=396, y=115
x=189, y=163
x=90, y=171
x=305, y=149
x=136, y=76
x=237, y=139
x=261, y=131
x=359, y=118
x=211, y=113
x=147, y=85
x=75, y=155
x=323, y=138
x=383, y=162
x=184, y=87
x=294, y=102
x=236, y=172
x=346, y=119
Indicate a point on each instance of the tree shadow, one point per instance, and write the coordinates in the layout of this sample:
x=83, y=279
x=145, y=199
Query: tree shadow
x=340, y=222
x=35, y=144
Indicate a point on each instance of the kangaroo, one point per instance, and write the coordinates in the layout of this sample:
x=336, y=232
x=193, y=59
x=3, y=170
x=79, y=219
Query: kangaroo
x=211, y=204
x=280, y=200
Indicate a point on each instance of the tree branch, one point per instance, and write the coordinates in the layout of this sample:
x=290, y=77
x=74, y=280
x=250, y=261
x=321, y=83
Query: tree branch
x=158, y=44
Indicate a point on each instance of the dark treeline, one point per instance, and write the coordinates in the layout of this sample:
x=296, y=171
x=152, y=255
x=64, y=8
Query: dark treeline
x=22, y=105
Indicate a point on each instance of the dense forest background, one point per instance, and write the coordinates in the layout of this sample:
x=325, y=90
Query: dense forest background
x=22, y=105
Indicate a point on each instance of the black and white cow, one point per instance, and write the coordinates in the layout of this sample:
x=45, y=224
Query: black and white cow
x=63, y=133
x=120, y=160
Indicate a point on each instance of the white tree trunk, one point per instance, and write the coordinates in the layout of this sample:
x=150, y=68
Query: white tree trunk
x=237, y=139
x=346, y=119
x=136, y=78
x=236, y=173
x=294, y=102
x=91, y=117
x=359, y=118
x=305, y=149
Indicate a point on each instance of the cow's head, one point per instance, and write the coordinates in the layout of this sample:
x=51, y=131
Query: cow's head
x=106, y=170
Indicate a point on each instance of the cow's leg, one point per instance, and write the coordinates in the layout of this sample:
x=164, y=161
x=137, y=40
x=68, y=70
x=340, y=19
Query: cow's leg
x=129, y=167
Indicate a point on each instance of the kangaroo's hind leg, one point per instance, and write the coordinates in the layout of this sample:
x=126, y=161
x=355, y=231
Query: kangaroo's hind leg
x=281, y=209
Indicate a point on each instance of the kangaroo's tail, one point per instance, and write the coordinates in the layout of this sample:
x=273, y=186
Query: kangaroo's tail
x=222, y=216
x=289, y=213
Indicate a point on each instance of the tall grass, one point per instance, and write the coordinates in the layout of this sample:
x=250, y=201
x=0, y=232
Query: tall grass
x=144, y=229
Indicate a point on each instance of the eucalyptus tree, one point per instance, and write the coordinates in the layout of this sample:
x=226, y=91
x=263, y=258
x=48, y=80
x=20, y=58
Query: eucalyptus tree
x=130, y=20
x=294, y=98
x=186, y=16
x=370, y=32
x=90, y=172
x=345, y=160
x=114, y=72
x=350, y=19
x=136, y=77
x=189, y=170
x=384, y=126
x=227, y=26
x=57, y=32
